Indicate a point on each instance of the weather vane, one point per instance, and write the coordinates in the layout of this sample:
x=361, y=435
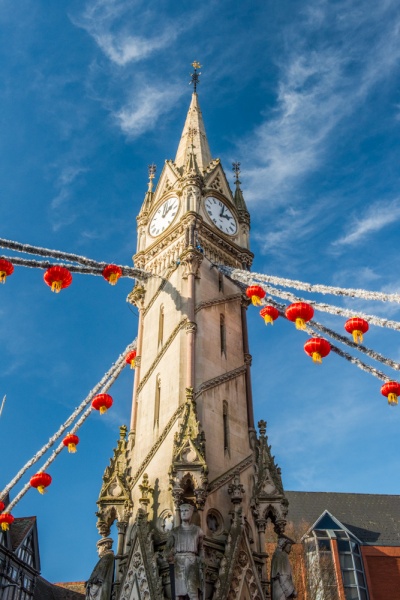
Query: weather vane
x=152, y=171
x=236, y=170
x=195, y=75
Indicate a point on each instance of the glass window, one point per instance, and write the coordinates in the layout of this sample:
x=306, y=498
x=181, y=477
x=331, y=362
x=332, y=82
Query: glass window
x=349, y=578
x=351, y=593
x=324, y=545
x=346, y=561
x=358, y=563
x=360, y=579
x=343, y=546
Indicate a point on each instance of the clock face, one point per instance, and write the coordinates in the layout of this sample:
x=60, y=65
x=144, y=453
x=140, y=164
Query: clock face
x=164, y=216
x=220, y=215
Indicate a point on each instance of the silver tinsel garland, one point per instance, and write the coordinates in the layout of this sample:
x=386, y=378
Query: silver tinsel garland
x=104, y=384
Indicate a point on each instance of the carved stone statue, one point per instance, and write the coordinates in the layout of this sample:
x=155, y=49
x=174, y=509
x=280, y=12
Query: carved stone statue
x=282, y=586
x=184, y=549
x=98, y=587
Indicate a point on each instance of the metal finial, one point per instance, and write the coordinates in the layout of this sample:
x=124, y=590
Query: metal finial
x=195, y=75
x=152, y=171
x=236, y=170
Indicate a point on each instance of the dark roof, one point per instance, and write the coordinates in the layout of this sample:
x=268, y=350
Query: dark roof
x=20, y=529
x=45, y=590
x=373, y=518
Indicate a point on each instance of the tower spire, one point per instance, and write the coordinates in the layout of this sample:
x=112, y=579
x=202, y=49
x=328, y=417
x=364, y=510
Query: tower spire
x=194, y=139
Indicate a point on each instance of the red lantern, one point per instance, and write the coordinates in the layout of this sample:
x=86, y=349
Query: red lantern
x=357, y=327
x=6, y=268
x=57, y=278
x=300, y=313
x=6, y=519
x=269, y=314
x=40, y=481
x=112, y=273
x=102, y=402
x=391, y=390
x=317, y=348
x=2, y=506
x=256, y=293
x=130, y=359
x=71, y=441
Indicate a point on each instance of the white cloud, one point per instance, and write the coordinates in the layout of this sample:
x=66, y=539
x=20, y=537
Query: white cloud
x=104, y=21
x=319, y=85
x=377, y=216
x=145, y=108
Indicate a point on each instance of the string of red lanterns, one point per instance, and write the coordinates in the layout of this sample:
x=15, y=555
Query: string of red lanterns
x=102, y=402
x=70, y=442
x=6, y=269
x=269, y=314
x=130, y=359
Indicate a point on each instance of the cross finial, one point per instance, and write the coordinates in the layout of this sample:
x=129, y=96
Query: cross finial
x=236, y=170
x=152, y=171
x=195, y=75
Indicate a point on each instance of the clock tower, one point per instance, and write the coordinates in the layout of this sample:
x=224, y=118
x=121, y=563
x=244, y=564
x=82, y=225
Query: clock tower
x=192, y=437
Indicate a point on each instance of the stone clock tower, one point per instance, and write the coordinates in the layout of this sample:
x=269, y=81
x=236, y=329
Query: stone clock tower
x=192, y=438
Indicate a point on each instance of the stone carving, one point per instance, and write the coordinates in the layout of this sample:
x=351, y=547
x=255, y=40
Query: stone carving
x=147, y=491
x=237, y=566
x=282, y=586
x=268, y=500
x=114, y=500
x=184, y=549
x=189, y=468
x=157, y=445
x=141, y=569
x=191, y=260
x=236, y=490
x=98, y=586
x=163, y=350
x=207, y=385
x=136, y=296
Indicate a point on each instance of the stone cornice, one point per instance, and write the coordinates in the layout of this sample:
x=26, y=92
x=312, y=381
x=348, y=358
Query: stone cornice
x=223, y=378
x=157, y=444
x=228, y=475
x=216, y=301
x=159, y=356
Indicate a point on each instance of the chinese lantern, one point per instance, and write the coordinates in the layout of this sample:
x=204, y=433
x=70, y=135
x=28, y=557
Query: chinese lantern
x=6, y=519
x=256, y=293
x=40, y=481
x=102, y=402
x=6, y=269
x=57, y=278
x=269, y=314
x=130, y=359
x=357, y=327
x=112, y=273
x=2, y=506
x=391, y=390
x=300, y=313
x=317, y=348
x=71, y=441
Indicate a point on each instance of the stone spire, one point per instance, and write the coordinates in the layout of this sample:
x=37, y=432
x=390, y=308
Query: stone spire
x=193, y=139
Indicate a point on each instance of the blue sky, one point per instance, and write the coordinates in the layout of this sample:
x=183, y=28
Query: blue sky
x=305, y=95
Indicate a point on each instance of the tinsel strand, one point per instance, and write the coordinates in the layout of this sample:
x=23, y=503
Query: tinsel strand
x=58, y=255
x=111, y=375
x=308, y=287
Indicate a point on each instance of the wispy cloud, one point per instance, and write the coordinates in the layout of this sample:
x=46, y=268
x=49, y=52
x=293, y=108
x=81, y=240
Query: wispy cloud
x=105, y=21
x=60, y=205
x=319, y=86
x=376, y=217
x=145, y=107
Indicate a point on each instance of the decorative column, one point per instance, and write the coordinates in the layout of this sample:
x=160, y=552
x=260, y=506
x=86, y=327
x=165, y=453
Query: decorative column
x=247, y=360
x=191, y=260
x=136, y=297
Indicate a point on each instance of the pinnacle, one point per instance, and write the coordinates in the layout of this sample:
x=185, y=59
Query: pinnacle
x=194, y=139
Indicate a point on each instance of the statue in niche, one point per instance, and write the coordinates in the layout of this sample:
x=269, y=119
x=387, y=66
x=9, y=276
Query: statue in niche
x=99, y=585
x=184, y=549
x=282, y=586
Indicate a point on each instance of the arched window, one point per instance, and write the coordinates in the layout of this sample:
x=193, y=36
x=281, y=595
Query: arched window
x=220, y=282
x=222, y=334
x=157, y=402
x=225, y=418
x=161, y=326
